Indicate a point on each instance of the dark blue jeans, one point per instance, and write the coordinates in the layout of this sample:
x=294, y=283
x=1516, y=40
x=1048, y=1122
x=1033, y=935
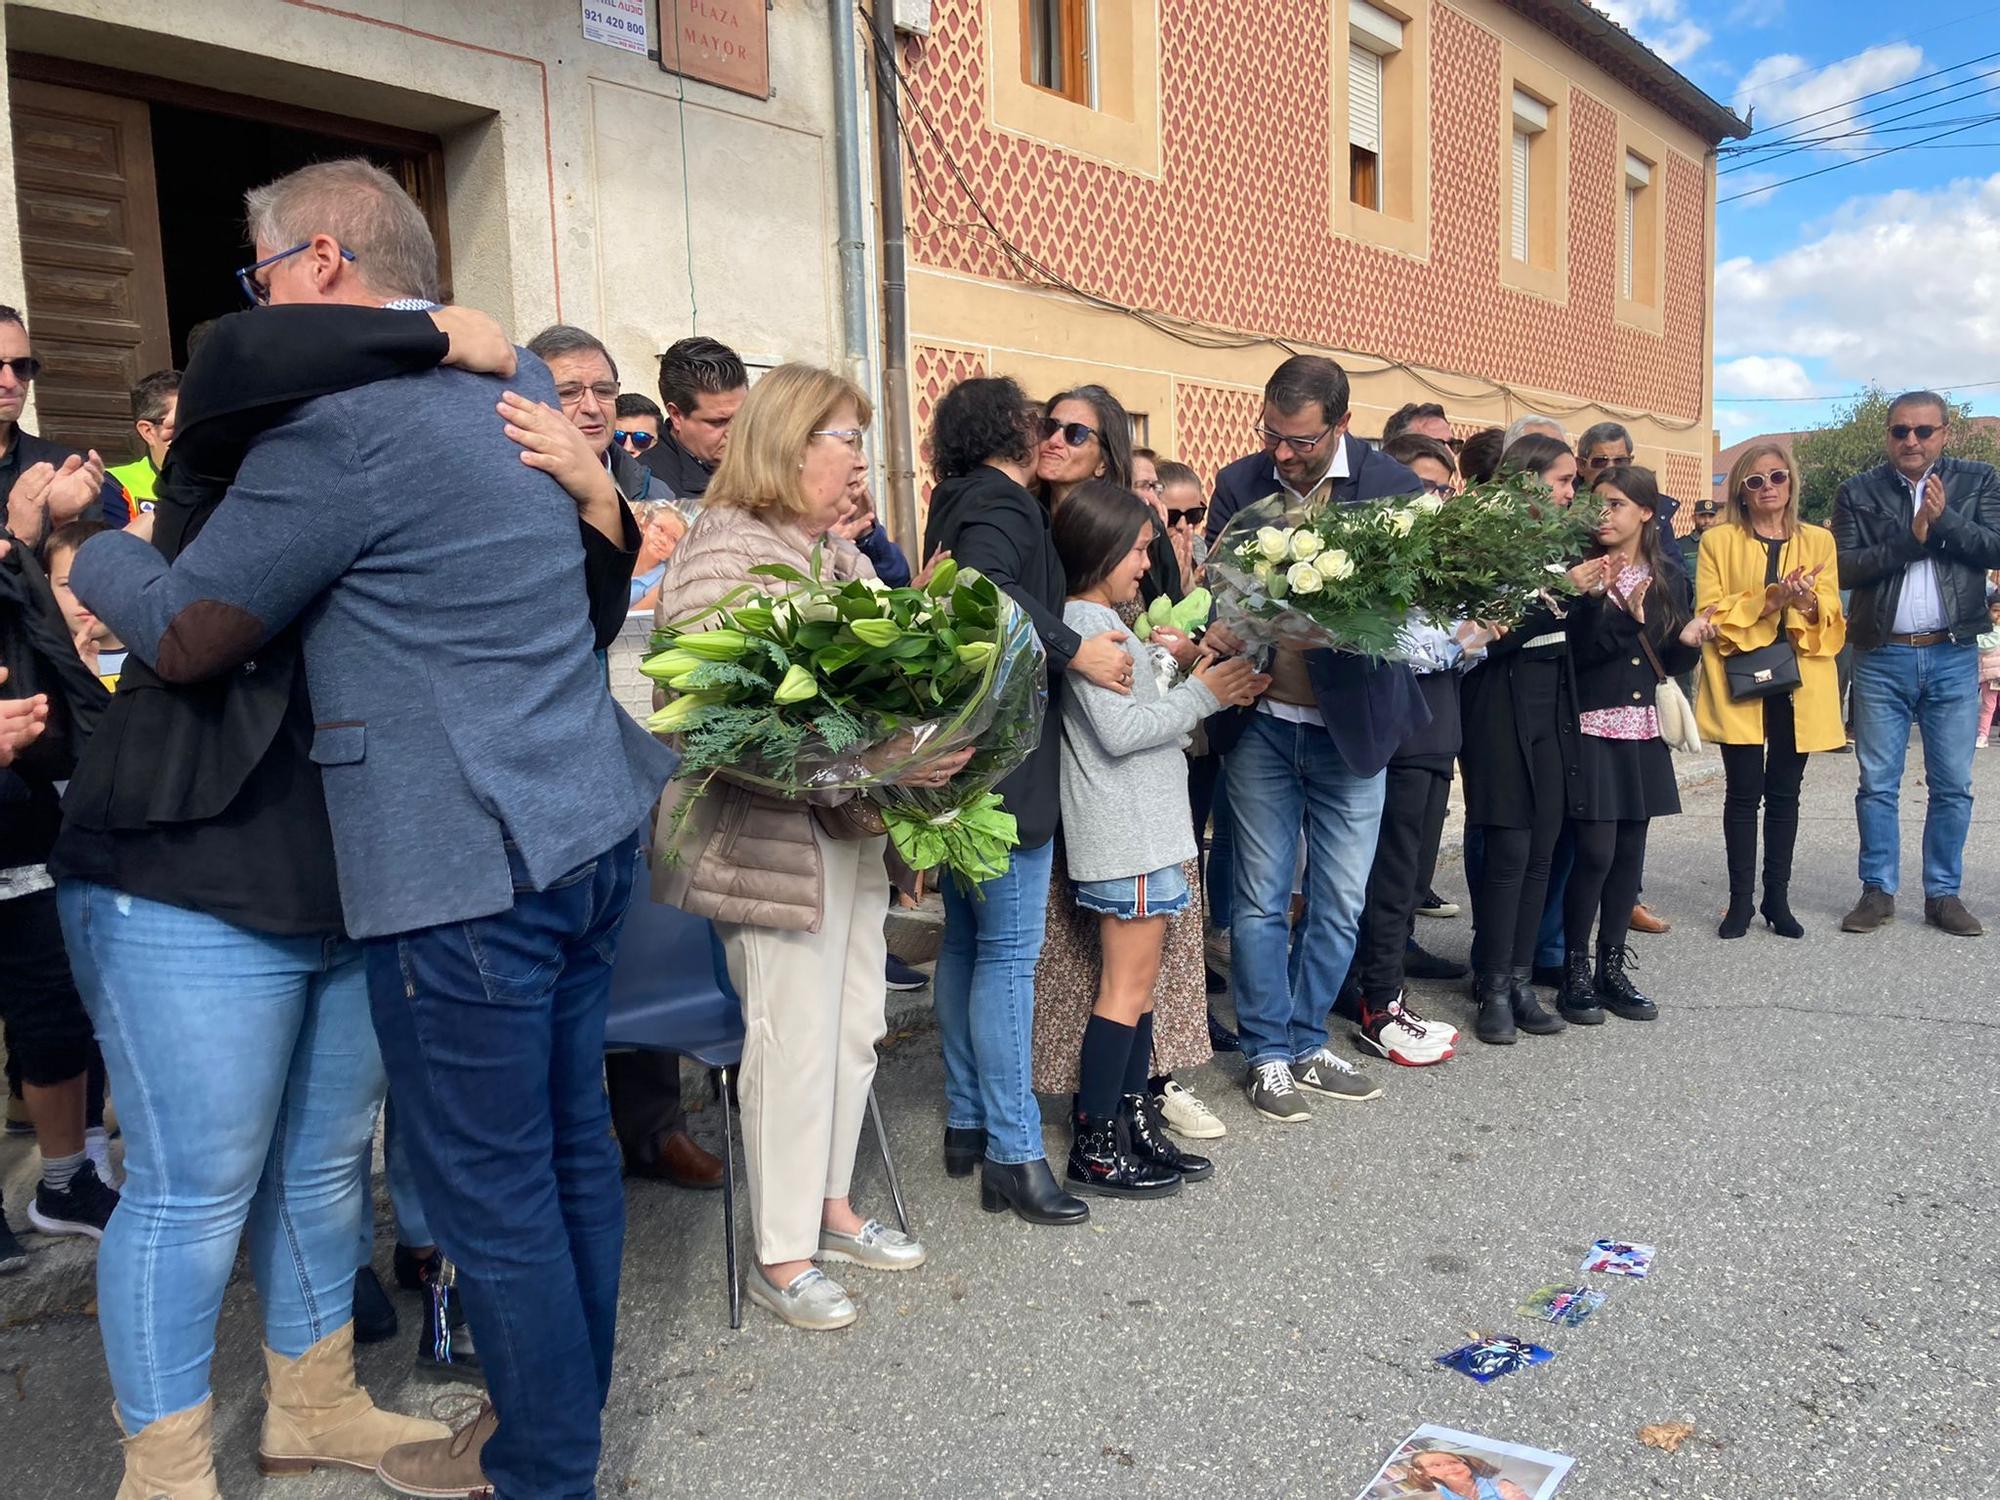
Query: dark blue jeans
x=492, y=1034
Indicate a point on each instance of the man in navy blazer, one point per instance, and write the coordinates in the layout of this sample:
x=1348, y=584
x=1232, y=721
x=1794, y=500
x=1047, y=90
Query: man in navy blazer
x=484, y=790
x=1311, y=753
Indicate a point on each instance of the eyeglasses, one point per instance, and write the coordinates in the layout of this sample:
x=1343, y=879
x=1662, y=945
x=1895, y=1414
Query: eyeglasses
x=25, y=369
x=258, y=293
x=603, y=390
x=639, y=441
x=1076, y=434
x=1444, y=489
x=1902, y=432
x=852, y=436
x=1755, y=482
x=1192, y=515
x=1303, y=446
x=1150, y=486
x=1606, y=460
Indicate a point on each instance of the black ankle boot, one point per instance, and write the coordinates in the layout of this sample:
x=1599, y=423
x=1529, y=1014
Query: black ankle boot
x=1736, y=921
x=1029, y=1188
x=1620, y=996
x=1578, y=998
x=1495, y=1024
x=1101, y=1161
x=962, y=1150
x=1149, y=1140
x=1776, y=911
x=1530, y=1014
x=445, y=1347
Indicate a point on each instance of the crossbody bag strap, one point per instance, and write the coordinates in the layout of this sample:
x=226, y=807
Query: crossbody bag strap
x=1652, y=656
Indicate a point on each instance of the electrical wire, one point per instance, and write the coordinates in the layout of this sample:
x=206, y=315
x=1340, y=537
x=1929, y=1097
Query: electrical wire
x=1890, y=88
x=1852, y=126
x=1946, y=390
x=1907, y=36
x=1771, y=187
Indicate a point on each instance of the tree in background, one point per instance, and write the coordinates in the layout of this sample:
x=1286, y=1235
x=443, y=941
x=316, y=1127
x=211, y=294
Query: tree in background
x=1828, y=456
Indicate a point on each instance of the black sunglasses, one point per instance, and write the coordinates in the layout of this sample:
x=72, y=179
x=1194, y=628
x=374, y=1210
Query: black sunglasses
x=1192, y=515
x=1076, y=434
x=1903, y=431
x=25, y=369
x=640, y=440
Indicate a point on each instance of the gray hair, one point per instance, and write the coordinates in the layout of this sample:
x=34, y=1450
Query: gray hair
x=363, y=208
x=1601, y=433
x=1529, y=422
x=567, y=338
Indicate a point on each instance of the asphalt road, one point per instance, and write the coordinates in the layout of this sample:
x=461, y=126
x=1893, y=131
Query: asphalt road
x=1807, y=1136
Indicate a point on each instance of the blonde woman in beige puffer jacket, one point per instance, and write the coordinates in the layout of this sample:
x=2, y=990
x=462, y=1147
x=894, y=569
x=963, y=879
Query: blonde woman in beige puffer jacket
x=797, y=890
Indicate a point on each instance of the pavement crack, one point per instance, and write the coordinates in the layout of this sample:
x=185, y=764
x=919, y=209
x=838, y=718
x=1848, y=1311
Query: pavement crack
x=1852, y=1015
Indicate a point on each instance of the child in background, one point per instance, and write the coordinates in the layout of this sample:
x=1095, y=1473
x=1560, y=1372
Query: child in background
x=1989, y=668
x=1127, y=831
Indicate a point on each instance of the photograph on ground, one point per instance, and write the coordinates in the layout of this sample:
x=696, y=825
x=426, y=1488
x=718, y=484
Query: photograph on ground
x=1564, y=1306
x=1616, y=1258
x=1489, y=1358
x=1438, y=1461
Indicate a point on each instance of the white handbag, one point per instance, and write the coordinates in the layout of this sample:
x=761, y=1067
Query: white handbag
x=1676, y=714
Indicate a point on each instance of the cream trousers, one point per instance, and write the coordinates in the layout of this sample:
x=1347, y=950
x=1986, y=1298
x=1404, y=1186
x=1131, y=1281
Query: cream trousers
x=813, y=1010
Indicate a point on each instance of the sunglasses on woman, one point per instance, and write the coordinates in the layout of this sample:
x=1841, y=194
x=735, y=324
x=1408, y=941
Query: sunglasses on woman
x=1192, y=515
x=640, y=440
x=1755, y=482
x=1075, y=434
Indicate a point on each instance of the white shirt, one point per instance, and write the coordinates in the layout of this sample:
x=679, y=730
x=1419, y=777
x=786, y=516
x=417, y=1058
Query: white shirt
x=1919, y=607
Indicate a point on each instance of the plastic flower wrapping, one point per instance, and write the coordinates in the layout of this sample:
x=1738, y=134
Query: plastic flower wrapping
x=815, y=686
x=1351, y=577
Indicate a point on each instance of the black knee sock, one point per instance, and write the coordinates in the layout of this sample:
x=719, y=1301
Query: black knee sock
x=1140, y=1063
x=1107, y=1048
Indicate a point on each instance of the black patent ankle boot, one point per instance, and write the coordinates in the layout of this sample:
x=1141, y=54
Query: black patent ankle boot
x=1099, y=1162
x=1577, y=1000
x=1147, y=1136
x=1530, y=1014
x=1620, y=996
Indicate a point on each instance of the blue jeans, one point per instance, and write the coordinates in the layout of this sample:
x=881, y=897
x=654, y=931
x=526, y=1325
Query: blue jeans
x=984, y=994
x=493, y=1034
x=405, y=1202
x=1281, y=776
x=247, y=1080
x=1937, y=688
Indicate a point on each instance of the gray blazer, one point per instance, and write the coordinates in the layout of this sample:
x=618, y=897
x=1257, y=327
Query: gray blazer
x=459, y=706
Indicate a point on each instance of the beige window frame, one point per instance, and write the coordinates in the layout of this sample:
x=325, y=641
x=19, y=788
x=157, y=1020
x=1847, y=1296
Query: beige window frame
x=1638, y=207
x=1380, y=112
x=1112, y=113
x=1534, y=102
x=1057, y=48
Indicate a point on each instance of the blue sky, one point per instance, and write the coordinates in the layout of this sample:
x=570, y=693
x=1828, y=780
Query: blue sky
x=1885, y=270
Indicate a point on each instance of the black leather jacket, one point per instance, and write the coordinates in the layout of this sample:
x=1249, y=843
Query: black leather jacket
x=1871, y=527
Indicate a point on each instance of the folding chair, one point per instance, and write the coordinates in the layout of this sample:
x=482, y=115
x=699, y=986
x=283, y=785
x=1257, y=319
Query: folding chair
x=670, y=992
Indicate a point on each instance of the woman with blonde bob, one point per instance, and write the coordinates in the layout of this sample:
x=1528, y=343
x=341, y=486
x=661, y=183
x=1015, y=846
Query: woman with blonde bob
x=1767, y=575
x=796, y=887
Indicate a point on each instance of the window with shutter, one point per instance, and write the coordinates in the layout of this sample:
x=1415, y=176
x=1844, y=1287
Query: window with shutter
x=1522, y=144
x=1638, y=175
x=1364, y=99
x=1631, y=232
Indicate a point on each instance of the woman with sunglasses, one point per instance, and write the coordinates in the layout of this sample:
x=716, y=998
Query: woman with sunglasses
x=1769, y=576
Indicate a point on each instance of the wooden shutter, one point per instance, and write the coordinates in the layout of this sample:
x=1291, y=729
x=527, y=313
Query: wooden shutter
x=1364, y=99
x=90, y=255
x=1523, y=150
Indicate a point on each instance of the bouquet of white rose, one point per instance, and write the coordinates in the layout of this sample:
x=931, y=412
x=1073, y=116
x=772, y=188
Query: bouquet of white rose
x=1351, y=577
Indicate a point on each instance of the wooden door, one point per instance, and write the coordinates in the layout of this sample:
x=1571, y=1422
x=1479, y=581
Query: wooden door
x=90, y=254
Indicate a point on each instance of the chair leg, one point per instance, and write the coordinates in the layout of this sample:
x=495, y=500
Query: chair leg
x=729, y=1202
x=888, y=1165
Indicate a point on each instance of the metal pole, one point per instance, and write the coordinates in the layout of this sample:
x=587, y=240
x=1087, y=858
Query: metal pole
x=899, y=464
x=854, y=271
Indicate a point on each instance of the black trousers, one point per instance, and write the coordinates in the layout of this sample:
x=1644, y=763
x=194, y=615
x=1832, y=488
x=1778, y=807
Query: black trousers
x=1507, y=906
x=645, y=1089
x=1769, y=774
x=1395, y=879
x=1427, y=853
x=47, y=1029
x=1604, y=882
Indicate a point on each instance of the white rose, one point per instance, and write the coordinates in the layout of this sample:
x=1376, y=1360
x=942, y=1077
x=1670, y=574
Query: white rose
x=1273, y=543
x=1334, y=565
x=1262, y=572
x=1428, y=505
x=1399, y=519
x=1305, y=545
x=1303, y=578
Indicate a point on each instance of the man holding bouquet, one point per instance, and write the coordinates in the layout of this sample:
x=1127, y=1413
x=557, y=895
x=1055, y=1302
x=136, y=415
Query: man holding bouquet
x=1310, y=755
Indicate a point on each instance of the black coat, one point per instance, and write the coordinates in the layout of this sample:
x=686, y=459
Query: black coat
x=1611, y=668
x=679, y=470
x=1493, y=760
x=1370, y=707
x=988, y=522
x=1871, y=527
x=1434, y=746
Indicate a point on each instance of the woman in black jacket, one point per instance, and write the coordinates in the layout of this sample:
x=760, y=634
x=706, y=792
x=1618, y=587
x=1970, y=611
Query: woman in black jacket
x=983, y=446
x=1623, y=647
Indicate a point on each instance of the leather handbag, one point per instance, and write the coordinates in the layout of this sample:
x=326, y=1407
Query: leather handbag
x=1670, y=704
x=1764, y=672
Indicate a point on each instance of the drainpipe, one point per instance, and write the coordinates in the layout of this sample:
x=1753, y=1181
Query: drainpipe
x=899, y=465
x=855, y=280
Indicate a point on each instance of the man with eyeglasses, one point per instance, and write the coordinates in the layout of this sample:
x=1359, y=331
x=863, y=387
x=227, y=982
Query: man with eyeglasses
x=1311, y=753
x=44, y=484
x=702, y=384
x=1916, y=535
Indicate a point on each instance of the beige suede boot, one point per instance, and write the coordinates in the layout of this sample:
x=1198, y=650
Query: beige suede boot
x=173, y=1458
x=316, y=1416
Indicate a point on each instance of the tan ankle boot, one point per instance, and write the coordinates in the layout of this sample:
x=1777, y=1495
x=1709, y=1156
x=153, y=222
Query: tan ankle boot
x=173, y=1458
x=316, y=1416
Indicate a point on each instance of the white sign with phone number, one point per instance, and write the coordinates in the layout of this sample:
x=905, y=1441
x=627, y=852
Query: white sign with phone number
x=617, y=23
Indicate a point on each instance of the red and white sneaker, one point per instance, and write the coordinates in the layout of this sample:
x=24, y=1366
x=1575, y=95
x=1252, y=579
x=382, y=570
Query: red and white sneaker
x=1393, y=1033
x=1442, y=1029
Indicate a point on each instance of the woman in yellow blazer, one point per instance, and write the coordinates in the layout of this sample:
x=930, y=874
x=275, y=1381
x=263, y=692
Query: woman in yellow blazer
x=1764, y=569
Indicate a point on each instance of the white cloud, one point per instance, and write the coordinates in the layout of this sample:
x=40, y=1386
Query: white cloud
x=1902, y=289
x=1737, y=422
x=1663, y=25
x=1784, y=88
x=1762, y=375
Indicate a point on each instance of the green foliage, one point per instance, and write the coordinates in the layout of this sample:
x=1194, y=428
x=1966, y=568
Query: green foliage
x=1857, y=439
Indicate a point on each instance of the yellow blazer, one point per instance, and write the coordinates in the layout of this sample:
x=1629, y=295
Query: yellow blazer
x=1731, y=577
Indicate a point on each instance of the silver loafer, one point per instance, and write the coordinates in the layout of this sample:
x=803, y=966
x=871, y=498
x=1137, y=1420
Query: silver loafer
x=810, y=1300
x=877, y=1247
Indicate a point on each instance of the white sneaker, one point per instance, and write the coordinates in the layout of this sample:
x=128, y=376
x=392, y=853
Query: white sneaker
x=1442, y=1030
x=1980, y=742
x=1395, y=1035
x=1187, y=1115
